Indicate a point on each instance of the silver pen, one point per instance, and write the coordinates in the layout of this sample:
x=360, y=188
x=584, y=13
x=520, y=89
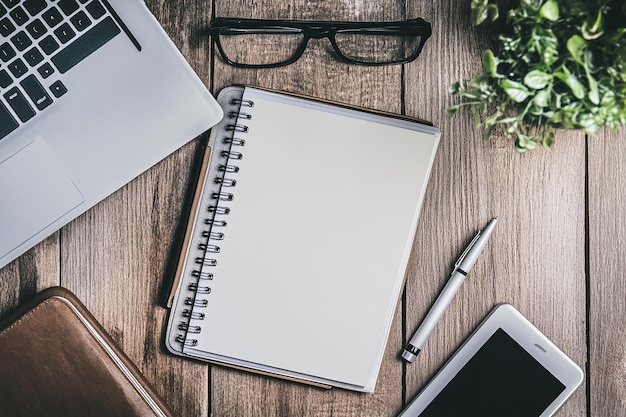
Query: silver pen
x=461, y=269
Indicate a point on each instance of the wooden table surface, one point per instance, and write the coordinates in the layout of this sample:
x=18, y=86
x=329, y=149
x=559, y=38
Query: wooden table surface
x=557, y=253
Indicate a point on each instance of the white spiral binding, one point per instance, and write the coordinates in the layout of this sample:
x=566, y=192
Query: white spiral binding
x=213, y=234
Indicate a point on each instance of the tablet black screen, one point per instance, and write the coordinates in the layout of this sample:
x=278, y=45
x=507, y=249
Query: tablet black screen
x=501, y=379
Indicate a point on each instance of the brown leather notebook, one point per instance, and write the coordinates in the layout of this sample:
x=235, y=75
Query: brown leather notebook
x=56, y=360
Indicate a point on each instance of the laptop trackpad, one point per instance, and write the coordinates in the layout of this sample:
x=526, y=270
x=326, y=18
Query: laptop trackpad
x=34, y=192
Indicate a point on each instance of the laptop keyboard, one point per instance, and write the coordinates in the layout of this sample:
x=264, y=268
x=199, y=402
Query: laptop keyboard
x=39, y=41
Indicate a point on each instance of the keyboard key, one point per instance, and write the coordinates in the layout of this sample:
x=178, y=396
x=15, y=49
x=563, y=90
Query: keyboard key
x=34, y=7
x=85, y=45
x=52, y=17
x=19, y=16
x=36, y=28
x=6, y=52
x=96, y=9
x=7, y=122
x=19, y=104
x=10, y=3
x=45, y=70
x=33, y=57
x=36, y=92
x=68, y=6
x=65, y=33
x=5, y=79
x=21, y=40
x=49, y=45
x=58, y=89
x=6, y=27
x=18, y=68
x=80, y=21
x=3, y=10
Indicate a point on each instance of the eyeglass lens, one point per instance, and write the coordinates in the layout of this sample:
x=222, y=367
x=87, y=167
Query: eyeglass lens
x=260, y=46
x=376, y=47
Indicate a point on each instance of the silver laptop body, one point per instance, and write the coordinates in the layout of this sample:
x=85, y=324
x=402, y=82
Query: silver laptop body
x=99, y=114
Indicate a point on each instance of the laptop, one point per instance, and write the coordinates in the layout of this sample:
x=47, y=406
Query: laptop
x=92, y=93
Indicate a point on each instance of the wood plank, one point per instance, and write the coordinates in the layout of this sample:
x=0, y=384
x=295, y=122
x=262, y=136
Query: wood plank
x=607, y=259
x=37, y=269
x=319, y=75
x=115, y=256
x=536, y=257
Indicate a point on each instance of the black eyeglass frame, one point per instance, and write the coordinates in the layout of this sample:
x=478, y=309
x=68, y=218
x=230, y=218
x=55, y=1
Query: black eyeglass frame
x=318, y=30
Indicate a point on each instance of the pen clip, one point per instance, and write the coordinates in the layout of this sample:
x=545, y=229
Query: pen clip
x=467, y=249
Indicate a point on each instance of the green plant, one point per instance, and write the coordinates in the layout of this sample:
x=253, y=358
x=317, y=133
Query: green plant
x=558, y=64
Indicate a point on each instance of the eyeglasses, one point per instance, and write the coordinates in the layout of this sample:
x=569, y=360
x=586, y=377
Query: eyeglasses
x=255, y=43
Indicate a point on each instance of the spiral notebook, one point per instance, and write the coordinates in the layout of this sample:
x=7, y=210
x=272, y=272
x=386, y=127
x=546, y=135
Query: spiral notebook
x=299, y=238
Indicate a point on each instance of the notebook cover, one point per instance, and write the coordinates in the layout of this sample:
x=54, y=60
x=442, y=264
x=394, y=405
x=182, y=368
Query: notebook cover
x=55, y=359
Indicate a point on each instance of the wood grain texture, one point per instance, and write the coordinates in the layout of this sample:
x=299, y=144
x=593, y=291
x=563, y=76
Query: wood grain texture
x=37, y=269
x=557, y=252
x=535, y=259
x=607, y=259
x=114, y=258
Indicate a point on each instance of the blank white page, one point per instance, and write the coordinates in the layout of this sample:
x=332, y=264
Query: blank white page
x=319, y=234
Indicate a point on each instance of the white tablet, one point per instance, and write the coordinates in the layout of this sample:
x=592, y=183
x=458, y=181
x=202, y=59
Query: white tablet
x=505, y=368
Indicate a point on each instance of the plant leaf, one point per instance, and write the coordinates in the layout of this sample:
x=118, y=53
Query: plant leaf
x=537, y=79
x=479, y=3
x=531, y=4
x=490, y=63
x=558, y=64
x=548, y=140
x=479, y=14
x=576, y=46
x=493, y=12
x=542, y=98
x=453, y=110
x=572, y=82
x=526, y=142
x=597, y=28
x=488, y=131
x=608, y=99
x=454, y=88
x=516, y=91
x=506, y=121
x=550, y=10
x=594, y=94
